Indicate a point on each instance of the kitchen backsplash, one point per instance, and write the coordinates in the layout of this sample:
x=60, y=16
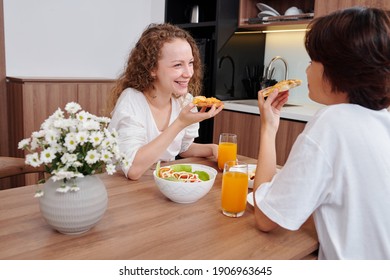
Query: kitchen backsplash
x=289, y=45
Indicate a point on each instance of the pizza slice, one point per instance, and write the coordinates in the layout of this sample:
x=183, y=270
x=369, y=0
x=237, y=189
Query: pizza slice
x=202, y=101
x=281, y=86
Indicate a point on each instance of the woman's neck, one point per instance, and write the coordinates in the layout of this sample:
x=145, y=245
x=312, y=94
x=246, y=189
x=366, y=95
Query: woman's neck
x=157, y=99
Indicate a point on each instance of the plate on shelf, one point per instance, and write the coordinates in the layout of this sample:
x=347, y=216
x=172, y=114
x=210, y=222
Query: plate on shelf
x=266, y=14
x=263, y=7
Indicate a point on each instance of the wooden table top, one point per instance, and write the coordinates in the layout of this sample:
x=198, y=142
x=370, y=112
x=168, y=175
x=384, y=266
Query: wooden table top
x=141, y=223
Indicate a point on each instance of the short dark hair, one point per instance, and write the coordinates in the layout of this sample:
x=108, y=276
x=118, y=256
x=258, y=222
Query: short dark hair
x=354, y=47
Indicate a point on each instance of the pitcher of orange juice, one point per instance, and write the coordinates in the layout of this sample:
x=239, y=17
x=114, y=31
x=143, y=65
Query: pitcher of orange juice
x=227, y=148
x=234, y=188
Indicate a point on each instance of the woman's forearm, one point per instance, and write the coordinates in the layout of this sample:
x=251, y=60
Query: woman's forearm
x=201, y=150
x=150, y=153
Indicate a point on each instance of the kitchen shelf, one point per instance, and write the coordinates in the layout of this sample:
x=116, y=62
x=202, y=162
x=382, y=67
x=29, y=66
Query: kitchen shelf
x=301, y=24
x=248, y=10
x=198, y=25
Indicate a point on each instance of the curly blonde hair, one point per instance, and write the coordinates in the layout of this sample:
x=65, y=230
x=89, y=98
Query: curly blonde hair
x=144, y=57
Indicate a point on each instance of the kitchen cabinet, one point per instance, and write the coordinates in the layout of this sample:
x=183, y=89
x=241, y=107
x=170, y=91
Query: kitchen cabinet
x=216, y=22
x=247, y=128
x=248, y=10
x=32, y=100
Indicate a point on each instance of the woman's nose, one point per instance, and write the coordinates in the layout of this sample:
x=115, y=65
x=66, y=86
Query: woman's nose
x=188, y=71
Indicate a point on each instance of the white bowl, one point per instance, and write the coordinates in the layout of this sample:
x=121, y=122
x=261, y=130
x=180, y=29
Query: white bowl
x=292, y=11
x=182, y=192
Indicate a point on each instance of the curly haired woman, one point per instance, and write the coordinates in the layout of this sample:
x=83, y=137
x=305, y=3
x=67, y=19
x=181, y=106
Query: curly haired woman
x=151, y=102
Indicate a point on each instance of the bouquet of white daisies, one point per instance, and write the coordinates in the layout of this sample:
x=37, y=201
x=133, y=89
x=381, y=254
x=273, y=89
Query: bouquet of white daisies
x=72, y=147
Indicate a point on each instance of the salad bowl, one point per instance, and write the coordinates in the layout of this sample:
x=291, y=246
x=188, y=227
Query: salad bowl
x=189, y=183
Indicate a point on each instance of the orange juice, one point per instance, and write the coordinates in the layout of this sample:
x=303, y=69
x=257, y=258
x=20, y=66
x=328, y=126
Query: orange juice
x=226, y=151
x=234, y=193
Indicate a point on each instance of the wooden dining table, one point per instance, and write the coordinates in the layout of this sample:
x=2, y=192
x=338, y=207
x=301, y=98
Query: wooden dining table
x=142, y=224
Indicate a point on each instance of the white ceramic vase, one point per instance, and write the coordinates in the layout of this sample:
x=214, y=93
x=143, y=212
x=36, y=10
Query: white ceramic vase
x=74, y=212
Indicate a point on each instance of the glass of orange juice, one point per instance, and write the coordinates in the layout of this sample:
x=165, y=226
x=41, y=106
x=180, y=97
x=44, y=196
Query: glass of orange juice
x=234, y=188
x=227, y=148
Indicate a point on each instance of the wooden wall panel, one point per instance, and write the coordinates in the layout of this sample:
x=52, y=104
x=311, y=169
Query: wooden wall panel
x=247, y=128
x=287, y=134
x=40, y=100
x=93, y=97
x=15, y=117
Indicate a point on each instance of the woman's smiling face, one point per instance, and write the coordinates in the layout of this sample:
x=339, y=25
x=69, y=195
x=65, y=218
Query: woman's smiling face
x=175, y=68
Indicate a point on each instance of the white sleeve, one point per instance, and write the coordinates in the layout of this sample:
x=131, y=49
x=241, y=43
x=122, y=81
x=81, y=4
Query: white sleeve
x=131, y=132
x=191, y=132
x=299, y=188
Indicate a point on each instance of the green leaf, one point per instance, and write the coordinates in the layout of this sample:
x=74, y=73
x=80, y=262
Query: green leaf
x=203, y=175
x=181, y=167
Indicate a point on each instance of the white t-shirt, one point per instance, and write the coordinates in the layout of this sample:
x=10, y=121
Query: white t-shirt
x=133, y=120
x=338, y=168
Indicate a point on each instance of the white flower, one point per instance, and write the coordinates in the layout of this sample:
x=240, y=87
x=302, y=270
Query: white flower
x=74, y=188
x=82, y=137
x=77, y=164
x=106, y=156
x=82, y=116
x=34, y=144
x=52, y=136
x=63, y=189
x=72, y=107
x=110, y=169
x=92, y=157
x=63, y=174
x=70, y=142
x=96, y=138
x=106, y=144
x=68, y=158
x=38, y=134
x=48, y=155
x=104, y=120
x=59, y=114
x=38, y=193
x=33, y=160
x=24, y=143
x=90, y=125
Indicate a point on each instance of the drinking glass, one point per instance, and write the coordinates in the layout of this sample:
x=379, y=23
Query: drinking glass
x=227, y=148
x=234, y=188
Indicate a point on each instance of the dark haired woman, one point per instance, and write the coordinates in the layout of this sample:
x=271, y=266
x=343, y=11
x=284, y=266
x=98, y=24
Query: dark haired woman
x=153, y=112
x=339, y=167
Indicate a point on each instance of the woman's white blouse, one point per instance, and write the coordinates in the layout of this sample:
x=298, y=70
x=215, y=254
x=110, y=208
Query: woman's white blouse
x=136, y=127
